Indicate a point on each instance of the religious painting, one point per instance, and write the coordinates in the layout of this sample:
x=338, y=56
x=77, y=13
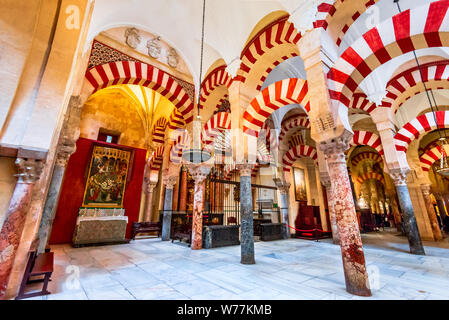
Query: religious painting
x=299, y=180
x=106, y=181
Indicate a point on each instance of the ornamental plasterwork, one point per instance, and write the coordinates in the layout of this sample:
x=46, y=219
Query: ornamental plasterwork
x=172, y=58
x=154, y=47
x=132, y=37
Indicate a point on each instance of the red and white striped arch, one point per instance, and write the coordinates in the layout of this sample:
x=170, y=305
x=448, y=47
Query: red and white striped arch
x=431, y=156
x=216, y=78
x=138, y=73
x=277, y=33
x=155, y=162
x=418, y=126
x=301, y=151
x=408, y=83
x=422, y=27
x=182, y=142
x=272, y=67
x=366, y=138
x=214, y=126
x=275, y=96
x=176, y=120
x=159, y=130
x=366, y=156
x=370, y=175
x=293, y=124
x=328, y=8
x=361, y=102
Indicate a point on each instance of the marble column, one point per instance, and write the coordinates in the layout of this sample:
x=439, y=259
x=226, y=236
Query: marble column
x=330, y=204
x=356, y=276
x=175, y=197
x=29, y=171
x=411, y=227
x=284, y=189
x=51, y=203
x=440, y=205
x=199, y=173
x=246, y=215
x=183, y=193
x=65, y=148
x=169, y=182
x=149, y=189
x=431, y=212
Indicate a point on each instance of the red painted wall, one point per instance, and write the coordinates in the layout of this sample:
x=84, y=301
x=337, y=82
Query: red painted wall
x=72, y=190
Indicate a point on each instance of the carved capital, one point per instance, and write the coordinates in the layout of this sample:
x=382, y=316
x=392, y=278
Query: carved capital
x=28, y=170
x=334, y=149
x=425, y=188
x=325, y=179
x=170, y=181
x=63, y=153
x=399, y=176
x=199, y=172
x=245, y=169
x=149, y=185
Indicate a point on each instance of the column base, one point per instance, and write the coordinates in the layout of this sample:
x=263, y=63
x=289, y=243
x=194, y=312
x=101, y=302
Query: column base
x=359, y=292
x=248, y=260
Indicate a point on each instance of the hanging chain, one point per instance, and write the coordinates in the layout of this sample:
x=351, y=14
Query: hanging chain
x=201, y=56
x=425, y=87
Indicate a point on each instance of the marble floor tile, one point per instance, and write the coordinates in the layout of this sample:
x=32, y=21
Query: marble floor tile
x=285, y=269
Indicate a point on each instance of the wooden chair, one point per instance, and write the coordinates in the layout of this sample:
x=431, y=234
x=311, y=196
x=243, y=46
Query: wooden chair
x=38, y=265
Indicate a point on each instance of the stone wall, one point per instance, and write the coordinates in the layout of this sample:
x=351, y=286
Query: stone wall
x=7, y=185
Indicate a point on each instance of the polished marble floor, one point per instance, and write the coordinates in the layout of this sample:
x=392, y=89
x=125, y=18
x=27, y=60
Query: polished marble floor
x=286, y=269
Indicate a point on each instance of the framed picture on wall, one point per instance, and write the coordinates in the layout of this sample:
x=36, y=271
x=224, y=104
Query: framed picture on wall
x=299, y=181
x=106, y=181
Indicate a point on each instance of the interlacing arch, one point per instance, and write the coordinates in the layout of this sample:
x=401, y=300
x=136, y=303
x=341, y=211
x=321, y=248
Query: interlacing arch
x=431, y=156
x=366, y=138
x=155, y=162
x=138, y=73
x=216, y=78
x=159, y=130
x=421, y=124
x=214, y=126
x=328, y=8
x=275, y=96
x=276, y=33
x=297, y=152
x=408, y=83
x=422, y=27
x=370, y=175
x=176, y=120
x=366, y=156
x=361, y=102
x=182, y=141
x=293, y=124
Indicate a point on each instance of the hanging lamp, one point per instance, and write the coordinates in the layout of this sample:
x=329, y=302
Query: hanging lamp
x=196, y=154
x=443, y=168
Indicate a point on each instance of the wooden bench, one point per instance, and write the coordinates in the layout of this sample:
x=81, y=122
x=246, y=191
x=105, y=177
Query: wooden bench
x=38, y=265
x=141, y=227
x=182, y=232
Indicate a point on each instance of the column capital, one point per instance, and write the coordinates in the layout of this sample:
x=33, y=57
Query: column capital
x=28, y=170
x=282, y=185
x=245, y=169
x=399, y=176
x=170, y=181
x=425, y=188
x=199, y=172
x=63, y=153
x=149, y=184
x=334, y=149
x=325, y=179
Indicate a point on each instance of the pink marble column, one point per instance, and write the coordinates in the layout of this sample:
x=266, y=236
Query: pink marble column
x=149, y=188
x=183, y=194
x=29, y=171
x=354, y=266
x=330, y=205
x=199, y=173
x=425, y=188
